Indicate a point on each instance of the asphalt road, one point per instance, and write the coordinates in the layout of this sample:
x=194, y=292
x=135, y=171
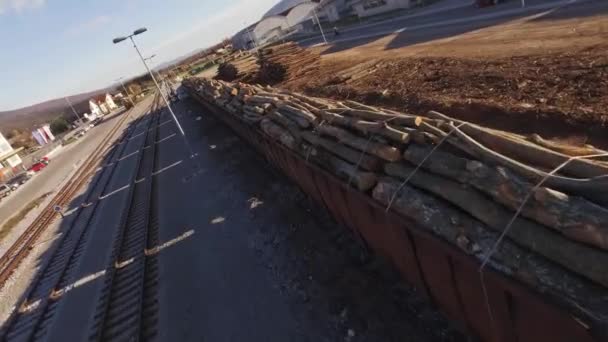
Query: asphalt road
x=71, y=157
x=437, y=24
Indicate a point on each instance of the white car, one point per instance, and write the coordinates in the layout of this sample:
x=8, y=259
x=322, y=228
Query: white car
x=5, y=190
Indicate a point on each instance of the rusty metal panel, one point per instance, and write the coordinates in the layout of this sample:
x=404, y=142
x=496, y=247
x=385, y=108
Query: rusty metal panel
x=534, y=320
x=294, y=167
x=291, y=166
x=402, y=250
x=338, y=194
x=365, y=223
x=439, y=276
x=321, y=183
x=276, y=152
x=495, y=327
x=304, y=172
x=266, y=148
x=282, y=155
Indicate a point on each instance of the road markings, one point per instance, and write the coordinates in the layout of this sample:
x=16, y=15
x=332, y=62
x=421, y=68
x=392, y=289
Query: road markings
x=167, y=168
x=129, y=155
x=136, y=135
x=114, y=192
x=167, y=138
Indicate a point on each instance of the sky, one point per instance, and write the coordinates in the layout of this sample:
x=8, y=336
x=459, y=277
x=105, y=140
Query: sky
x=54, y=48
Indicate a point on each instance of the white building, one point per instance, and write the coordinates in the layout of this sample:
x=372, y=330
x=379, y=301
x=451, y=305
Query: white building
x=8, y=156
x=102, y=104
x=366, y=8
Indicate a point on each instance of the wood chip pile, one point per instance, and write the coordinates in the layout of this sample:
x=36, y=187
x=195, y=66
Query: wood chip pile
x=243, y=68
x=286, y=61
x=458, y=180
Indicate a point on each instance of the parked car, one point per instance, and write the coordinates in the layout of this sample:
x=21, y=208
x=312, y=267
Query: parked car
x=19, y=180
x=37, y=167
x=5, y=190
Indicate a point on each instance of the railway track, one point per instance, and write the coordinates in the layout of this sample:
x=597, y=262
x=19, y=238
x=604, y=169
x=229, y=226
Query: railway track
x=31, y=320
x=127, y=309
x=13, y=257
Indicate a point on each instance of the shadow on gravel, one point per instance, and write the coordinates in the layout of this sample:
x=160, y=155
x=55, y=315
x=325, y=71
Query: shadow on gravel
x=333, y=283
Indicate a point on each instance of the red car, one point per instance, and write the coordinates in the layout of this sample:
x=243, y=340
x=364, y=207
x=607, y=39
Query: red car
x=38, y=166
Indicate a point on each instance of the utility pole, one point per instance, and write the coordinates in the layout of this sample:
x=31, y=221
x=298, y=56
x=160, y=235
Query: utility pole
x=73, y=110
x=314, y=11
x=126, y=91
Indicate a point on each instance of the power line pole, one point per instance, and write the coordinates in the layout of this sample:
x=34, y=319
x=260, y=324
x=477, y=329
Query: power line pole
x=73, y=110
x=126, y=91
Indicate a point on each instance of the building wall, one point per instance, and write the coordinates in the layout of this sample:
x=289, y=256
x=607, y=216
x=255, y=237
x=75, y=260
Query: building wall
x=366, y=8
x=331, y=9
x=110, y=102
x=94, y=108
x=6, y=148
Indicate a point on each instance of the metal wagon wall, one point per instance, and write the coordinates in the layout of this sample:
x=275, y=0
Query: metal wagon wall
x=446, y=275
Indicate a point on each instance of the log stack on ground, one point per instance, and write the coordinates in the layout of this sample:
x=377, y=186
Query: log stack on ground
x=469, y=185
x=286, y=61
x=243, y=68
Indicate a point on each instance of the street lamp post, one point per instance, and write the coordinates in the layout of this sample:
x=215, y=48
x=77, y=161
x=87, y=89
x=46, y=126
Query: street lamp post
x=179, y=126
x=73, y=110
x=162, y=81
x=126, y=91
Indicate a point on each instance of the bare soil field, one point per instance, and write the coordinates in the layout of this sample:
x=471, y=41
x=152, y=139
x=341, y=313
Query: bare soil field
x=545, y=74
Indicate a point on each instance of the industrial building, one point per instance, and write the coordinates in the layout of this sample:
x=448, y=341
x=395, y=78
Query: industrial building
x=297, y=16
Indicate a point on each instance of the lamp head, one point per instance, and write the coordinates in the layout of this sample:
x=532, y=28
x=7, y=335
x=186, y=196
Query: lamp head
x=140, y=31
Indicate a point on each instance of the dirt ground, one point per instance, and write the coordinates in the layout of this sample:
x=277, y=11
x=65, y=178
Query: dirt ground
x=542, y=74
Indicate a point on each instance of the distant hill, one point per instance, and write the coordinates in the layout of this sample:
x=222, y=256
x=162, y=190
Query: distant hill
x=30, y=117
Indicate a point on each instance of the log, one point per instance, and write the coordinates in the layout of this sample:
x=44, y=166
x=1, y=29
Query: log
x=276, y=132
x=584, y=299
x=580, y=259
x=594, y=189
x=366, y=127
x=574, y=217
x=313, y=101
x=565, y=149
x=527, y=152
x=364, y=181
x=255, y=109
x=302, y=113
x=365, y=161
x=386, y=152
x=287, y=123
x=393, y=119
x=299, y=120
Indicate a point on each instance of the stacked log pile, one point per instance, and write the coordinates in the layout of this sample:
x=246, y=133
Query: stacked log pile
x=243, y=68
x=286, y=61
x=356, y=72
x=462, y=182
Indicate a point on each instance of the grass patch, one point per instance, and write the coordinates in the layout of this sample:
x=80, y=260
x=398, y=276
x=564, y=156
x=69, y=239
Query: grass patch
x=15, y=219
